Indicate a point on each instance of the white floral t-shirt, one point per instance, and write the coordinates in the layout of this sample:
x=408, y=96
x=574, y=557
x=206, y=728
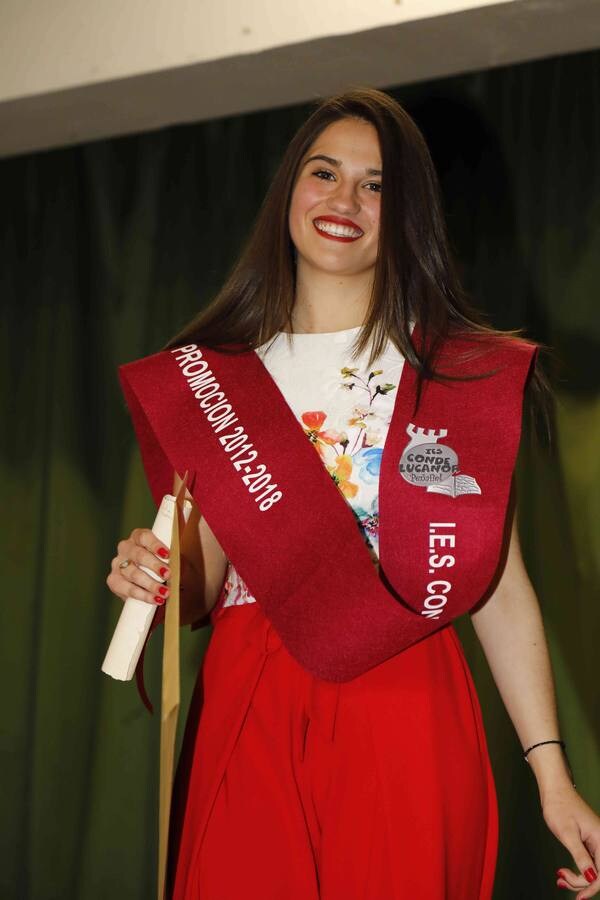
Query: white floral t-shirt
x=345, y=408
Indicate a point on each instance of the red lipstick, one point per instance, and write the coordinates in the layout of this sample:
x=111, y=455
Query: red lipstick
x=338, y=220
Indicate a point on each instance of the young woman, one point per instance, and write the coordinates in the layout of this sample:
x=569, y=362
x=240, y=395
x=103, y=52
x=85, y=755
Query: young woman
x=322, y=759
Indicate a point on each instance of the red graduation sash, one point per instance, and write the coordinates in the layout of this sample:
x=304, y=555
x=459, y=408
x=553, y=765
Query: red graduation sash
x=443, y=493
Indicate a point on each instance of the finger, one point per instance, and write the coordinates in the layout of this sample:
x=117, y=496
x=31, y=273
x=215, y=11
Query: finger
x=146, y=578
x=593, y=845
x=141, y=586
x=593, y=888
x=121, y=581
x=144, y=557
x=575, y=881
x=144, y=537
x=572, y=840
x=125, y=548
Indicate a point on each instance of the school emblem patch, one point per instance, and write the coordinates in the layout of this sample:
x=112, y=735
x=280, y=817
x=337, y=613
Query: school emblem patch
x=427, y=463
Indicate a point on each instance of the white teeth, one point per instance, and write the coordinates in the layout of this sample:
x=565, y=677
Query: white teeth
x=340, y=230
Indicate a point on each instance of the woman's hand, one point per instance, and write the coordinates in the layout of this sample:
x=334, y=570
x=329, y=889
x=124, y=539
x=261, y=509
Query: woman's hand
x=577, y=827
x=141, y=548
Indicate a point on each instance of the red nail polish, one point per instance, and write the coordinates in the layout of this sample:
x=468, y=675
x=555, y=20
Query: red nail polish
x=559, y=873
x=162, y=552
x=163, y=590
x=159, y=600
x=162, y=571
x=590, y=874
x=562, y=884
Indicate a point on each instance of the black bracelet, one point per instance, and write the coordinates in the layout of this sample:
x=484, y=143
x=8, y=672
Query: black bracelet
x=564, y=748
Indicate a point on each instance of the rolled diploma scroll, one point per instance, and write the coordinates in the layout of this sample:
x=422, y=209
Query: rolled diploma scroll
x=136, y=616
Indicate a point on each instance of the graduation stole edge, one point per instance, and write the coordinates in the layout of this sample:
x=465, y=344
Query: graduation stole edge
x=289, y=532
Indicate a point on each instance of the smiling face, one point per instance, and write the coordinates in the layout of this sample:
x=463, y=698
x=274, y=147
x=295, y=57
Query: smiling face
x=334, y=210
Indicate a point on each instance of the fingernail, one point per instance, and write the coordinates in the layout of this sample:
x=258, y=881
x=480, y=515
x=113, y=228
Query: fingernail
x=561, y=884
x=163, y=572
x=559, y=873
x=160, y=600
x=163, y=590
x=590, y=874
x=162, y=552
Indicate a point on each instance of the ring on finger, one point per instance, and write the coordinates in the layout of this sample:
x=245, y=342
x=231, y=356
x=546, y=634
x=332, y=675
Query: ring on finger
x=124, y=563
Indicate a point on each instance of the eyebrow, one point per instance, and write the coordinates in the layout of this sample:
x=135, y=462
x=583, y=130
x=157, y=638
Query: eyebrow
x=338, y=163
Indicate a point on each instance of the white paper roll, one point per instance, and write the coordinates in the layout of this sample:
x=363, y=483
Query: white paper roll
x=136, y=617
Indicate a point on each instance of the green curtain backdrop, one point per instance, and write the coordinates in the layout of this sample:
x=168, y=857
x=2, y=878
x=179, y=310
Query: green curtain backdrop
x=106, y=249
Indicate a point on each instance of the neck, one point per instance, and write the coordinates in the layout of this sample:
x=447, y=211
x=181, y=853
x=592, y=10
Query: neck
x=329, y=301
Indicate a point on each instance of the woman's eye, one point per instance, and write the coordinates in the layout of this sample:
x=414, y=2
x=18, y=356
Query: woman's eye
x=376, y=184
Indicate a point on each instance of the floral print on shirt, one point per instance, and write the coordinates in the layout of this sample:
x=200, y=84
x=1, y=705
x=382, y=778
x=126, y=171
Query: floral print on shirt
x=351, y=449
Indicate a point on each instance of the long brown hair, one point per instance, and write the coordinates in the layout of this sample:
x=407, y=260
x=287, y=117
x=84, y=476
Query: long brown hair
x=415, y=275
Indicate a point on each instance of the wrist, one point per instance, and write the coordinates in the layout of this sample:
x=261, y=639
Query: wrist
x=555, y=791
x=551, y=770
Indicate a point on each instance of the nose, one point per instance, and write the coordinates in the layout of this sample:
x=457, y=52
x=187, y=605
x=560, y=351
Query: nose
x=344, y=201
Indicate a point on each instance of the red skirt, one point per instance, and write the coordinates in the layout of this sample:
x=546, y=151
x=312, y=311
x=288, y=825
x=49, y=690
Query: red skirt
x=291, y=786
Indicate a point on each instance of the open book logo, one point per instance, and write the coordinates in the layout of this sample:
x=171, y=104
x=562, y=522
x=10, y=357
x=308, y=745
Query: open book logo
x=432, y=465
